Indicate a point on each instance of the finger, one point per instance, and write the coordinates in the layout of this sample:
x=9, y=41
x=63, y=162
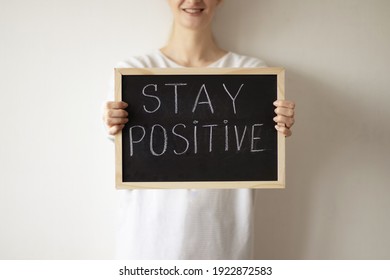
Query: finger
x=284, y=121
x=287, y=112
x=117, y=113
x=115, y=129
x=116, y=105
x=284, y=130
x=285, y=103
x=115, y=121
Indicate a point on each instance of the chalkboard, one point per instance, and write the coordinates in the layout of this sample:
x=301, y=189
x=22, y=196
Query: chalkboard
x=200, y=128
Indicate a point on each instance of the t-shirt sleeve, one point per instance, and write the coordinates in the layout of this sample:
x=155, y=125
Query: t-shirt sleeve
x=252, y=62
x=134, y=62
x=258, y=63
x=241, y=61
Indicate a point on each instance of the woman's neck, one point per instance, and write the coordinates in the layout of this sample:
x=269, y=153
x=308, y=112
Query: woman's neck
x=192, y=48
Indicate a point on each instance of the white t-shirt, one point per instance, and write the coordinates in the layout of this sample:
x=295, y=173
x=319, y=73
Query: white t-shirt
x=186, y=223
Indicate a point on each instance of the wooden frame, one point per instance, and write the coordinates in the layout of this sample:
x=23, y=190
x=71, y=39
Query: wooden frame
x=280, y=183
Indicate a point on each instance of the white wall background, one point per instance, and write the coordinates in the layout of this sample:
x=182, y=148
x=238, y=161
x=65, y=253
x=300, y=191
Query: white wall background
x=57, y=196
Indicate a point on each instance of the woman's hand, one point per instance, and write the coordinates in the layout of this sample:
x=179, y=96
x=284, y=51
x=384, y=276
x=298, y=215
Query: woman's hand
x=285, y=111
x=115, y=116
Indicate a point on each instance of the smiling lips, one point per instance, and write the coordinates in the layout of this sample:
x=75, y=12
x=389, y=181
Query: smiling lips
x=193, y=11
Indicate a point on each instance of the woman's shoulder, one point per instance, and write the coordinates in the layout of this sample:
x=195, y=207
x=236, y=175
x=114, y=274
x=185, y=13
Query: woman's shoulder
x=152, y=59
x=239, y=60
x=156, y=59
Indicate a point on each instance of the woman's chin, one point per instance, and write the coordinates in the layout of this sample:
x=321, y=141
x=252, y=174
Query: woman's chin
x=193, y=24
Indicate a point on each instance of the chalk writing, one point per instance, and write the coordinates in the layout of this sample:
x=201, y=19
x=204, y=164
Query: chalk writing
x=239, y=132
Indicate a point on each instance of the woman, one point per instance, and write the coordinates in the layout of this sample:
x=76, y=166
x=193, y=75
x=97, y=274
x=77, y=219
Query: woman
x=188, y=224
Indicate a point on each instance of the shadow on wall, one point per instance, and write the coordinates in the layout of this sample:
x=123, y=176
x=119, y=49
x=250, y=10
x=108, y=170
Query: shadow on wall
x=236, y=24
x=327, y=210
x=337, y=150
x=283, y=217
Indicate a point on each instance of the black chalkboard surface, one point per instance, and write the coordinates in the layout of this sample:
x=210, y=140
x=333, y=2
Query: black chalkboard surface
x=200, y=128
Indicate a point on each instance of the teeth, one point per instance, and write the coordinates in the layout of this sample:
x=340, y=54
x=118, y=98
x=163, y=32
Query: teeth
x=193, y=11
